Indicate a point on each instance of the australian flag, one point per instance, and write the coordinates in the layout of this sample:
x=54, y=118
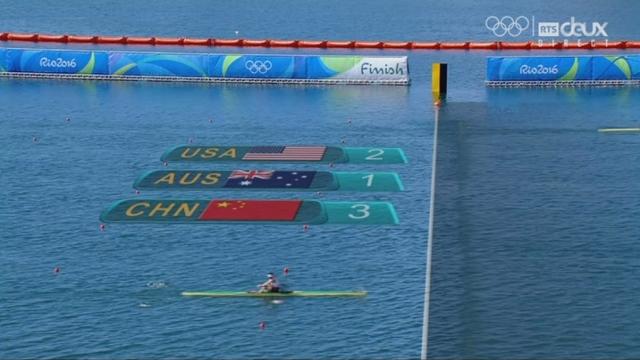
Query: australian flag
x=270, y=179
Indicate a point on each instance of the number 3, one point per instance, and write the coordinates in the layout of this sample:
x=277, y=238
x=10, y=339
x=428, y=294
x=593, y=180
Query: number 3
x=362, y=211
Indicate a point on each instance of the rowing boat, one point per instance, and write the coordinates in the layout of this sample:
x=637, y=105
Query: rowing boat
x=317, y=293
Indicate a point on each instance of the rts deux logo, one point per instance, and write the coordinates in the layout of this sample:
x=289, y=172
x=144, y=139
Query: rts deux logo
x=516, y=26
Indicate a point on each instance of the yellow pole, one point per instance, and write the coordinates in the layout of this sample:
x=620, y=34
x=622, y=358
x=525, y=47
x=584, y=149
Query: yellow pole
x=439, y=81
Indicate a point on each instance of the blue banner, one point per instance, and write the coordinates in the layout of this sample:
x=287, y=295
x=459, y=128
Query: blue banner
x=258, y=66
x=57, y=61
x=542, y=68
x=634, y=63
x=611, y=68
x=158, y=64
x=538, y=68
x=207, y=66
x=3, y=60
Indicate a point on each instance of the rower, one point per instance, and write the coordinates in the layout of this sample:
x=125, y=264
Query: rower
x=271, y=285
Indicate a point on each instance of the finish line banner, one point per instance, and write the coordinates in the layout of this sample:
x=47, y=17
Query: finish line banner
x=251, y=211
x=206, y=67
x=564, y=68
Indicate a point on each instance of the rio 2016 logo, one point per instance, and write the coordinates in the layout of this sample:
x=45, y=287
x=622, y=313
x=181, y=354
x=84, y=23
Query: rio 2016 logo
x=57, y=63
x=539, y=69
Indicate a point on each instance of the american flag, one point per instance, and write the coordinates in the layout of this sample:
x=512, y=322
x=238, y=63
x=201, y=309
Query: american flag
x=295, y=153
x=251, y=174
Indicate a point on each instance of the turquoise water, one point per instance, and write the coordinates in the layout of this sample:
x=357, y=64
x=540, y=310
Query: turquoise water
x=569, y=293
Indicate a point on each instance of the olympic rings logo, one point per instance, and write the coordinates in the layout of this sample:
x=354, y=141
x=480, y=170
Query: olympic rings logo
x=258, y=66
x=507, y=25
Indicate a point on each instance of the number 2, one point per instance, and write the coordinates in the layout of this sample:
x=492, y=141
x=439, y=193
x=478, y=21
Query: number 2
x=376, y=154
x=362, y=211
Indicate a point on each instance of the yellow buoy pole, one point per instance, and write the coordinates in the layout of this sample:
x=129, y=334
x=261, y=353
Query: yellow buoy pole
x=439, y=81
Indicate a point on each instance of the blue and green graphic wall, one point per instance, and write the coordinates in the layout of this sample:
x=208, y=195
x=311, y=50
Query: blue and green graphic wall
x=564, y=68
x=204, y=66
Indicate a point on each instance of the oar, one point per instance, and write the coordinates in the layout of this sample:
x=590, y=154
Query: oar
x=619, y=130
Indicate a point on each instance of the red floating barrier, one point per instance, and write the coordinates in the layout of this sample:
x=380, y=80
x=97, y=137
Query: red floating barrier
x=340, y=44
x=261, y=43
x=546, y=46
x=198, y=42
x=22, y=37
x=508, y=45
x=312, y=44
x=111, y=39
x=396, y=45
x=483, y=45
x=367, y=45
x=576, y=45
x=632, y=44
x=425, y=45
x=52, y=38
x=283, y=43
x=133, y=40
x=454, y=46
x=169, y=41
x=33, y=37
x=81, y=39
x=609, y=44
x=226, y=42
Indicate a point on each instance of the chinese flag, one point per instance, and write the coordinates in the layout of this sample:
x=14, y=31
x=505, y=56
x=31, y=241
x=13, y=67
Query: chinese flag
x=251, y=210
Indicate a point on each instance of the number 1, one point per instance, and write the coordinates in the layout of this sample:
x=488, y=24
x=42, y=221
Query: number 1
x=369, y=179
